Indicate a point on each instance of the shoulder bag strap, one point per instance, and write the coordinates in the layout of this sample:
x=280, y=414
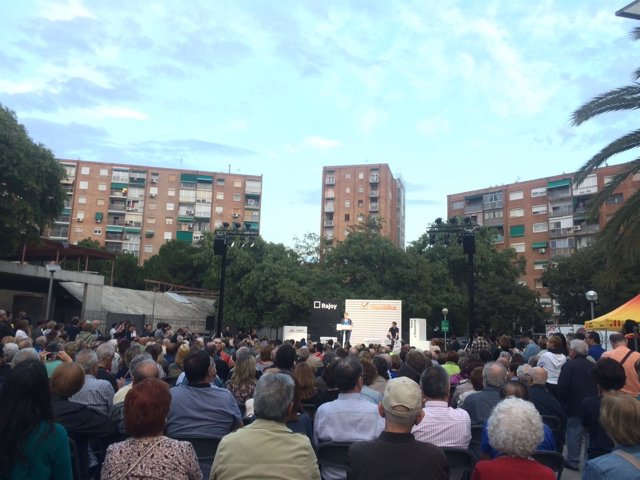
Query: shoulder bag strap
x=626, y=356
x=147, y=452
x=628, y=457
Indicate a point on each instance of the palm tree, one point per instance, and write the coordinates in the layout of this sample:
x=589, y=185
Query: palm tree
x=622, y=233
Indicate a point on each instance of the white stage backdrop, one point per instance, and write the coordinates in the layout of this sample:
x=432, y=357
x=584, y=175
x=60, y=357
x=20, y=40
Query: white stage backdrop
x=372, y=319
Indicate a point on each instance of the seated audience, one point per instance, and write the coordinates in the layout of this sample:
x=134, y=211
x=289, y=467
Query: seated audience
x=267, y=445
x=149, y=454
x=243, y=376
x=442, y=425
x=33, y=446
x=552, y=361
x=479, y=405
x=401, y=410
x=95, y=394
x=515, y=428
x=627, y=358
x=620, y=417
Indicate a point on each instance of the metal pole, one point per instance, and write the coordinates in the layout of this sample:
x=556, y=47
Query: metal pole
x=223, y=274
x=471, y=326
x=46, y=315
x=592, y=313
x=445, y=333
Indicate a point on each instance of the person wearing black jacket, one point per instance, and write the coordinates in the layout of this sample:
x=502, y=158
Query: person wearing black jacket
x=82, y=424
x=575, y=383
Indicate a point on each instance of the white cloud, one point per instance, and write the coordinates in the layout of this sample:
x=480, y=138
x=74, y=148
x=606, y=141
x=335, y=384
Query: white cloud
x=433, y=126
x=114, y=111
x=370, y=119
x=17, y=87
x=321, y=143
x=65, y=11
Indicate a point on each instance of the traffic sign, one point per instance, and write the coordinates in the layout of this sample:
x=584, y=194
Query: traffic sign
x=445, y=325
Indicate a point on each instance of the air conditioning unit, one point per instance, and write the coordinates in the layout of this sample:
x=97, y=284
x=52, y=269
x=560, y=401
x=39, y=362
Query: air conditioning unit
x=129, y=209
x=191, y=226
x=577, y=228
x=80, y=219
x=189, y=212
x=127, y=237
x=236, y=215
x=98, y=220
x=154, y=180
x=152, y=195
x=129, y=222
x=542, y=250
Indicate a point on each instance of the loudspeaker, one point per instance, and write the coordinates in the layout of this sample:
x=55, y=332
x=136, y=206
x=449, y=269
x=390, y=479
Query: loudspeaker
x=210, y=323
x=219, y=246
x=469, y=244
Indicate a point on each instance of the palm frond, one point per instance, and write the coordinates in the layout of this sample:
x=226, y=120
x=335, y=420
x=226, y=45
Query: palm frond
x=628, y=169
x=623, y=98
x=620, y=235
x=622, y=144
x=635, y=33
x=636, y=74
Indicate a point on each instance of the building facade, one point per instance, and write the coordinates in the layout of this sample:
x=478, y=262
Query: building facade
x=136, y=209
x=542, y=219
x=351, y=193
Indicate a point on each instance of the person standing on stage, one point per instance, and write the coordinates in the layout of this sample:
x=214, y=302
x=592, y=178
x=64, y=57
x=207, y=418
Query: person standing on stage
x=347, y=321
x=394, y=334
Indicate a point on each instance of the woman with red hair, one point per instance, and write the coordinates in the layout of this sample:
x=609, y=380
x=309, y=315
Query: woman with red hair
x=149, y=454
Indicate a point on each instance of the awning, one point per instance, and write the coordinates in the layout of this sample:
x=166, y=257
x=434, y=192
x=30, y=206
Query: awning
x=184, y=236
x=115, y=229
x=99, y=216
x=132, y=229
x=188, y=178
x=539, y=245
x=565, y=182
x=516, y=231
x=205, y=178
x=185, y=219
x=119, y=186
x=616, y=318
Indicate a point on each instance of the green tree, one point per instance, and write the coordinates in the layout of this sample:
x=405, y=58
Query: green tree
x=178, y=262
x=623, y=230
x=126, y=272
x=31, y=195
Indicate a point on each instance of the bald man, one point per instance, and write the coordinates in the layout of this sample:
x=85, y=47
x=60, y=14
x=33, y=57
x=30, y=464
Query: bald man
x=545, y=402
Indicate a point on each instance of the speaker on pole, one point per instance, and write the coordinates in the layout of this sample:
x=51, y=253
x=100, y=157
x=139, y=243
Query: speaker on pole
x=219, y=246
x=469, y=244
x=210, y=322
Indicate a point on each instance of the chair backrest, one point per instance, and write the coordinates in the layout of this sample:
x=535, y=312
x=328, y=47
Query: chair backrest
x=206, y=449
x=460, y=462
x=310, y=408
x=551, y=459
x=75, y=460
x=171, y=381
x=555, y=424
x=333, y=454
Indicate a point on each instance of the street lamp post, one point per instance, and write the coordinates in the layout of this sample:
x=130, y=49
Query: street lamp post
x=52, y=268
x=445, y=327
x=592, y=297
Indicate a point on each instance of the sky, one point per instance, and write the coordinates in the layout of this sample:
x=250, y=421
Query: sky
x=453, y=95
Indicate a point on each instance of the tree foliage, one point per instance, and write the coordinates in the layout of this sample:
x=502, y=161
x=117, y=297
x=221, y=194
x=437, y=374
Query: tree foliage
x=31, y=195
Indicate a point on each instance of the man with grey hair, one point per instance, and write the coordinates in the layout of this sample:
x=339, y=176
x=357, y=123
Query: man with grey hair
x=267, y=445
x=106, y=351
x=24, y=355
x=575, y=383
x=524, y=373
x=401, y=410
x=479, y=405
x=95, y=394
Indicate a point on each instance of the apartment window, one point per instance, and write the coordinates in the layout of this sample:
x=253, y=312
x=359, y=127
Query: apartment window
x=80, y=216
x=84, y=185
x=347, y=176
x=82, y=199
x=539, y=209
x=172, y=177
x=539, y=192
x=171, y=192
x=347, y=204
x=615, y=199
x=608, y=179
x=540, y=227
x=100, y=202
x=360, y=189
x=78, y=229
x=168, y=221
x=219, y=181
x=361, y=175
x=347, y=217
x=539, y=283
x=153, y=205
x=457, y=205
x=519, y=195
x=102, y=187
x=219, y=210
x=148, y=249
x=170, y=206
x=360, y=218
x=217, y=224
x=360, y=203
x=237, y=183
x=151, y=219
x=347, y=190
x=219, y=195
x=516, y=212
x=518, y=247
x=516, y=231
x=167, y=235
x=97, y=231
x=85, y=171
x=104, y=172
x=540, y=264
x=491, y=214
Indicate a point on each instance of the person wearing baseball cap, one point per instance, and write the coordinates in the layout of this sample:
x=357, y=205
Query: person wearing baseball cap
x=396, y=453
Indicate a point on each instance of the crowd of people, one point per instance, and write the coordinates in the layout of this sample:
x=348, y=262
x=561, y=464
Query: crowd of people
x=77, y=401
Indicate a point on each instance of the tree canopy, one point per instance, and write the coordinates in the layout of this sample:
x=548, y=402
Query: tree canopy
x=31, y=195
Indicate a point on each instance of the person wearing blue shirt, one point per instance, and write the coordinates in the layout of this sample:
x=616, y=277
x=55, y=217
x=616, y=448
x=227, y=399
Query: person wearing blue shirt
x=595, y=349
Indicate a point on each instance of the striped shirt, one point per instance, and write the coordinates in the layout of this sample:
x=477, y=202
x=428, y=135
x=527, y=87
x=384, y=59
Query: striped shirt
x=95, y=394
x=443, y=426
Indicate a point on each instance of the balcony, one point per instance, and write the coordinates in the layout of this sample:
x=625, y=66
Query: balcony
x=373, y=207
x=561, y=232
x=328, y=223
x=116, y=207
x=561, y=211
x=498, y=204
x=473, y=208
x=117, y=193
x=557, y=194
x=330, y=181
x=586, y=229
x=580, y=210
x=63, y=219
x=252, y=204
x=497, y=239
x=562, y=252
x=114, y=237
x=329, y=194
x=374, y=178
x=373, y=193
x=493, y=222
x=329, y=207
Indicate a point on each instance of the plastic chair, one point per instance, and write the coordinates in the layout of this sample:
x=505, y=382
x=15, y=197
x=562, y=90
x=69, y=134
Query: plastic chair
x=75, y=459
x=551, y=459
x=460, y=462
x=206, y=449
x=333, y=454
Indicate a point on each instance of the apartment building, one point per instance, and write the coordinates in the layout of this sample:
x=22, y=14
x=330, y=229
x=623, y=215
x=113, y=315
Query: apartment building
x=542, y=219
x=350, y=193
x=135, y=209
